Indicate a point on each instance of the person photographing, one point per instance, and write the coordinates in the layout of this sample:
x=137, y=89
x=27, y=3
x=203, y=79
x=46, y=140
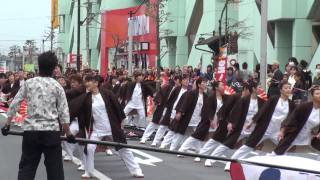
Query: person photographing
x=47, y=109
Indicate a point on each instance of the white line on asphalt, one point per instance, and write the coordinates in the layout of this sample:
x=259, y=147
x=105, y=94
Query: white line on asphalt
x=149, y=158
x=76, y=161
x=96, y=173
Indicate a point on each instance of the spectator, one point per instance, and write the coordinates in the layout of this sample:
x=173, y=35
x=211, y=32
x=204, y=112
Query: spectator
x=293, y=71
x=287, y=69
x=209, y=74
x=245, y=73
x=230, y=76
x=299, y=92
x=256, y=74
x=307, y=75
x=236, y=69
x=293, y=61
x=316, y=80
x=276, y=78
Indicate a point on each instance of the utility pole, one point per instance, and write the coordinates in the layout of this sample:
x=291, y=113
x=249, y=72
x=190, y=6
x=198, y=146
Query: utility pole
x=51, y=38
x=78, y=38
x=220, y=23
x=88, y=20
x=130, y=43
x=226, y=28
x=263, y=43
x=42, y=45
x=158, y=41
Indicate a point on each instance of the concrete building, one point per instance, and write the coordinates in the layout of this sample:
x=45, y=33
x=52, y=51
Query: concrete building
x=293, y=30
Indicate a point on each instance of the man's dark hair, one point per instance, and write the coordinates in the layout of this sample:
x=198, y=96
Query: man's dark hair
x=244, y=65
x=177, y=77
x=250, y=85
x=230, y=68
x=47, y=63
x=236, y=66
x=318, y=65
x=76, y=77
x=96, y=78
x=314, y=88
x=304, y=63
x=215, y=84
x=3, y=76
x=200, y=80
x=294, y=60
x=283, y=83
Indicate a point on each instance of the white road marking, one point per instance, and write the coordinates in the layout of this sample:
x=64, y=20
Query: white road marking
x=150, y=160
x=96, y=173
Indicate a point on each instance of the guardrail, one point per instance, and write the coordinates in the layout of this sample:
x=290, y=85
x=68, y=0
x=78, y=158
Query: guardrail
x=121, y=145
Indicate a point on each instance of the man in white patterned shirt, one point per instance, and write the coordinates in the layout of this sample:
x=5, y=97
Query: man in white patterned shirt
x=47, y=108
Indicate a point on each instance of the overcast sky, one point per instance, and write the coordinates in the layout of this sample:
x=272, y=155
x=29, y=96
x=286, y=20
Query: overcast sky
x=21, y=20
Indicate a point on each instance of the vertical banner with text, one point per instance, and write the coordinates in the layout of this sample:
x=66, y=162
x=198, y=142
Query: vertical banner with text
x=54, y=14
x=221, y=65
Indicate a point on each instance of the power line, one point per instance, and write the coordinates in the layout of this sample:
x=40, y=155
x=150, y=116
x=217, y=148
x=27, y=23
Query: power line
x=23, y=18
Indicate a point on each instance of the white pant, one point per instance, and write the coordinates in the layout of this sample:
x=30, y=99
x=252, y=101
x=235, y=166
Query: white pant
x=245, y=150
x=70, y=148
x=208, y=147
x=219, y=151
x=125, y=154
x=149, y=130
x=142, y=120
x=176, y=141
x=160, y=133
x=167, y=139
x=191, y=143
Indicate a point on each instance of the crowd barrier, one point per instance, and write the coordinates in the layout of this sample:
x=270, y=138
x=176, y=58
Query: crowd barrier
x=121, y=145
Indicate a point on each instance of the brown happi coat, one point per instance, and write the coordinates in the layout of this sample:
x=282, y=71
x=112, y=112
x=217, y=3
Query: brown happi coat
x=165, y=121
x=147, y=88
x=187, y=109
x=293, y=125
x=221, y=133
x=160, y=100
x=262, y=120
x=203, y=127
x=238, y=117
x=81, y=107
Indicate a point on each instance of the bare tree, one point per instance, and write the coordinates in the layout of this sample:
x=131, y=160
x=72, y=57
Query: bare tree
x=15, y=51
x=156, y=10
x=30, y=48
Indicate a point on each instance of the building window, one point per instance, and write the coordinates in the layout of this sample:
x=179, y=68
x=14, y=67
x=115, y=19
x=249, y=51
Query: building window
x=62, y=23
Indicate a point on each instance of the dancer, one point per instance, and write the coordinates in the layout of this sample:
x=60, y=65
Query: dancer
x=102, y=114
x=297, y=129
x=208, y=123
x=77, y=89
x=221, y=132
x=175, y=100
x=160, y=101
x=189, y=114
x=136, y=96
x=267, y=121
x=241, y=115
x=173, y=96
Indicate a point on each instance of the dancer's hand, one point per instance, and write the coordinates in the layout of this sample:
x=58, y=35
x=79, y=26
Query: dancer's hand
x=214, y=124
x=230, y=128
x=178, y=116
x=318, y=136
x=249, y=125
x=281, y=135
x=71, y=139
x=5, y=130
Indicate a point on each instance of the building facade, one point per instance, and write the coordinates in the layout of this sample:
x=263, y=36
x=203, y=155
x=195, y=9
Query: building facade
x=293, y=30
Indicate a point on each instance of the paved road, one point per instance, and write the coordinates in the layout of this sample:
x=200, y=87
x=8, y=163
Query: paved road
x=111, y=167
x=156, y=166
